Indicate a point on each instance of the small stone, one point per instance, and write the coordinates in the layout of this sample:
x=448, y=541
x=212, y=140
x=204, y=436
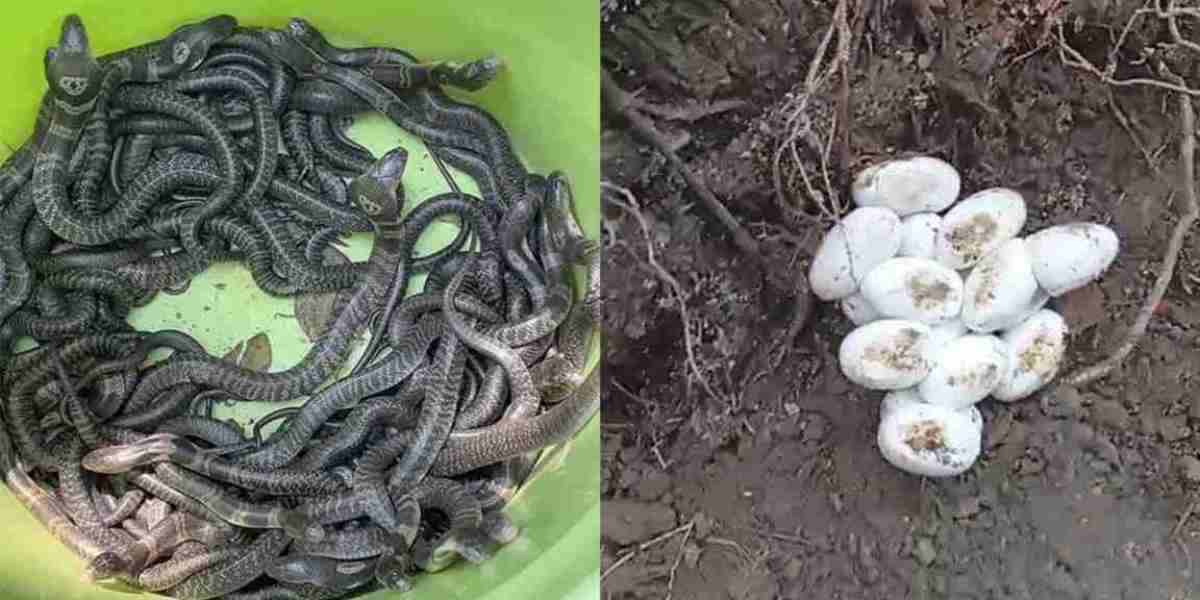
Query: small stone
x=924, y=60
x=691, y=555
x=793, y=568
x=703, y=525
x=924, y=551
x=1188, y=467
x=968, y=507
x=1194, y=409
x=1110, y=414
x=1175, y=428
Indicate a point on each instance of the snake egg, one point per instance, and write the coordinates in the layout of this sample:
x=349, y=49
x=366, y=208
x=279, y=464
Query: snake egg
x=888, y=354
x=859, y=310
x=1066, y=257
x=1035, y=352
x=864, y=238
x=914, y=288
x=978, y=225
x=965, y=371
x=928, y=439
x=918, y=235
x=1001, y=288
x=908, y=185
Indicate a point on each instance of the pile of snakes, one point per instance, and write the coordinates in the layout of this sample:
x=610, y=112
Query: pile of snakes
x=226, y=143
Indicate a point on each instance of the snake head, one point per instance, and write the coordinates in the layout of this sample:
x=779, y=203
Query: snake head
x=437, y=555
x=291, y=50
x=499, y=528
x=186, y=47
x=472, y=76
x=377, y=191
x=566, y=243
x=307, y=34
x=391, y=572
x=72, y=72
x=103, y=566
x=123, y=457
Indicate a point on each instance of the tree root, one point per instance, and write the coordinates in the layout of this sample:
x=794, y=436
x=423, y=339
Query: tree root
x=618, y=102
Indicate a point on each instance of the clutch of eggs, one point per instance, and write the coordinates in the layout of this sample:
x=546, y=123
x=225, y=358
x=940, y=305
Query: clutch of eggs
x=949, y=308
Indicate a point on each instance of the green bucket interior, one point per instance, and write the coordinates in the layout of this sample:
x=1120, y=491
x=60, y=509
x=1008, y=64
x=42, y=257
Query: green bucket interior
x=547, y=98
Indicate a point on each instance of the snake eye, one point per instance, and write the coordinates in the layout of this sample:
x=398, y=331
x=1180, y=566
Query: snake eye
x=180, y=52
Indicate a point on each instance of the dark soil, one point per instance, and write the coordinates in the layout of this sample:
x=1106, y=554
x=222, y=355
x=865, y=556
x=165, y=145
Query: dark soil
x=1080, y=495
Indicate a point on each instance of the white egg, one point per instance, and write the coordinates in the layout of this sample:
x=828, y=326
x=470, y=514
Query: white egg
x=945, y=332
x=864, y=238
x=1001, y=288
x=914, y=288
x=1066, y=257
x=918, y=235
x=1035, y=351
x=908, y=185
x=1039, y=301
x=928, y=439
x=979, y=224
x=965, y=371
x=889, y=354
x=859, y=310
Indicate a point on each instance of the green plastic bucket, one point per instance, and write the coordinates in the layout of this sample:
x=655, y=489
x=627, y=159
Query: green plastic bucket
x=548, y=99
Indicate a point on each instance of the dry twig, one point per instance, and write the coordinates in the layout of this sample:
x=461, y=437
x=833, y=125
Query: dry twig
x=629, y=205
x=1191, y=210
x=685, y=529
x=1183, y=519
x=617, y=101
x=1072, y=58
x=798, y=125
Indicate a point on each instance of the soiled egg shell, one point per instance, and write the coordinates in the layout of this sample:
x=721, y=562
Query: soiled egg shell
x=864, y=238
x=908, y=185
x=1000, y=289
x=914, y=288
x=928, y=439
x=859, y=310
x=1039, y=301
x=965, y=371
x=1035, y=352
x=1066, y=257
x=978, y=225
x=918, y=235
x=888, y=354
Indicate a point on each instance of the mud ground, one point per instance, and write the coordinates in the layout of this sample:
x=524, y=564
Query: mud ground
x=771, y=486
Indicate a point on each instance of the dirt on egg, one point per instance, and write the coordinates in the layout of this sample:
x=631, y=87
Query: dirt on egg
x=777, y=474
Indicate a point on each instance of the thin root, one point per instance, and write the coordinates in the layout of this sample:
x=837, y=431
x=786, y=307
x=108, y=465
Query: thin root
x=630, y=206
x=685, y=529
x=1166, y=271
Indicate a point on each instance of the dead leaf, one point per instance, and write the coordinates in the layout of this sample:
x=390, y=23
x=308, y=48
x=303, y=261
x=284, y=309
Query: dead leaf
x=315, y=312
x=258, y=353
x=1083, y=307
